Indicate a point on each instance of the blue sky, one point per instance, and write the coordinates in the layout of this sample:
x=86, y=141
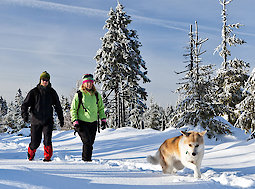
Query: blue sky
x=63, y=36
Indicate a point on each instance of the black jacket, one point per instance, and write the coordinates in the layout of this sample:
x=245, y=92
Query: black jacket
x=41, y=101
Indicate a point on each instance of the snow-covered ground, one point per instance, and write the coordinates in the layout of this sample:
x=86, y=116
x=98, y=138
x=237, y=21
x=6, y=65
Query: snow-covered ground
x=119, y=161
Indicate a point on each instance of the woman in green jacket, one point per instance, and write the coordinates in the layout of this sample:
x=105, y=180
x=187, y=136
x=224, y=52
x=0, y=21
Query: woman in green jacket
x=85, y=114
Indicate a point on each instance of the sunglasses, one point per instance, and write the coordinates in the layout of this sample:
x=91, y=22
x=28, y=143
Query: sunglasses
x=44, y=79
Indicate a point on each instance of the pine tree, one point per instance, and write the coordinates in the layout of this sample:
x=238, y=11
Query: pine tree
x=66, y=106
x=135, y=116
x=233, y=74
x=119, y=67
x=136, y=105
x=13, y=118
x=153, y=116
x=3, y=112
x=247, y=107
x=167, y=116
x=3, y=107
x=197, y=105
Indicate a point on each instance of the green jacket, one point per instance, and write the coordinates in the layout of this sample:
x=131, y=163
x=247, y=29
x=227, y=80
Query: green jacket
x=89, y=102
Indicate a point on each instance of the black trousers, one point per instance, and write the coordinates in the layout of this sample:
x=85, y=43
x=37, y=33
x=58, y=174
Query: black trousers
x=87, y=132
x=36, y=135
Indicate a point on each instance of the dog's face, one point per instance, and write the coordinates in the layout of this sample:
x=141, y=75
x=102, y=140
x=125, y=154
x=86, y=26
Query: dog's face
x=193, y=143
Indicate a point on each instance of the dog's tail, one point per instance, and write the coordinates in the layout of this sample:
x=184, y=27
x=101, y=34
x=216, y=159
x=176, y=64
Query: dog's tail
x=154, y=159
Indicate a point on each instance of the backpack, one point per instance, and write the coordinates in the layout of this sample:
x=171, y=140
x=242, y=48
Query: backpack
x=80, y=103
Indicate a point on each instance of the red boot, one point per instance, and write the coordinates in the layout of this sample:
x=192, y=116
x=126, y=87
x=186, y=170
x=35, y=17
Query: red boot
x=31, y=154
x=47, y=153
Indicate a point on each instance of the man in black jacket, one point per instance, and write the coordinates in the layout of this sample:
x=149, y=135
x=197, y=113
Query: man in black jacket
x=41, y=100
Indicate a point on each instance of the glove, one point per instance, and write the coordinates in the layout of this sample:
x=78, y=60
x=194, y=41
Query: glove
x=25, y=119
x=103, y=124
x=76, y=124
x=61, y=123
x=76, y=127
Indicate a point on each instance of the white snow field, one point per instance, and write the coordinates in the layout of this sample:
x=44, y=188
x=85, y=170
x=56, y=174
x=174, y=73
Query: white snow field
x=119, y=161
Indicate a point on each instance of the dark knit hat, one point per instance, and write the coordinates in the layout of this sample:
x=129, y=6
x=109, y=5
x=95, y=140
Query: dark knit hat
x=45, y=75
x=87, y=78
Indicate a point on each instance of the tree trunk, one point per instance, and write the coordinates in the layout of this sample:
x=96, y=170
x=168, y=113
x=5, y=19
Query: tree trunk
x=119, y=110
x=116, y=108
x=123, y=112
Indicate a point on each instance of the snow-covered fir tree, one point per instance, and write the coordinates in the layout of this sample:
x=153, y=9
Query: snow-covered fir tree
x=3, y=112
x=3, y=107
x=135, y=116
x=136, y=104
x=228, y=37
x=66, y=106
x=154, y=116
x=120, y=67
x=13, y=118
x=232, y=75
x=189, y=55
x=197, y=104
x=246, y=119
x=168, y=114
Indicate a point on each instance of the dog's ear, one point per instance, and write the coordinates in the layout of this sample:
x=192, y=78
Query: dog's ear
x=202, y=133
x=185, y=133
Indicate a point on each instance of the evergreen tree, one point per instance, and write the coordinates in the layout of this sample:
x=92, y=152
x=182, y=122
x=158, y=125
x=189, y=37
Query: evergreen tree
x=13, y=118
x=3, y=112
x=119, y=67
x=168, y=114
x=3, y=107
x=153, y=116
x=233, y=74
x=136, y=105
x=135, y=116
x=247, y=107
x=66, y=106
x=197, y=105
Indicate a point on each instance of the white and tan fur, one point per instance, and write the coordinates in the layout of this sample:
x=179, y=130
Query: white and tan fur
x=182, y=151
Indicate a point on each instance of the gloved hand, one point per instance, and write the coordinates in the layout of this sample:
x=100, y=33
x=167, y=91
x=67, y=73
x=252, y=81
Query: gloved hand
x=76, y=127
x=61, y=123
x=25, y=119
x=76, y=124
x=103, y=124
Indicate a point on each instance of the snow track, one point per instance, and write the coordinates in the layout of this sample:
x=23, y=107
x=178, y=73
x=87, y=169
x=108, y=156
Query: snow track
x=119, y=161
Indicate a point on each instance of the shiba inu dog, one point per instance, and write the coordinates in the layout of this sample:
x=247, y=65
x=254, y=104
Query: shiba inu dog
x=186, y=150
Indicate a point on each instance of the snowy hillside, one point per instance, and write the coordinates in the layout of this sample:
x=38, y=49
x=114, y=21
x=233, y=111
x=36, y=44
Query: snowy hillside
x=119, y=161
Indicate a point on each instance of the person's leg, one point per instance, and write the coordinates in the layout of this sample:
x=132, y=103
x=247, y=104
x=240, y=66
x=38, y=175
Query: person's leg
x=47, y=141
x=87, y=132
x=92, y=136
x=92, y=132
x=36, y=137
